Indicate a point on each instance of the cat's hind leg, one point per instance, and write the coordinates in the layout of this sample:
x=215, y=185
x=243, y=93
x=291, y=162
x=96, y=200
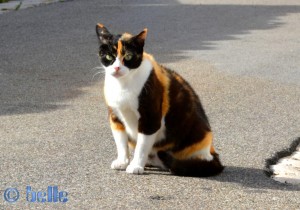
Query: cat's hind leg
x=154, y=161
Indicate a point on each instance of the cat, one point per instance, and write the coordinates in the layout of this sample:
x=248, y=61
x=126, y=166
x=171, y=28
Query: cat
x=153, y=111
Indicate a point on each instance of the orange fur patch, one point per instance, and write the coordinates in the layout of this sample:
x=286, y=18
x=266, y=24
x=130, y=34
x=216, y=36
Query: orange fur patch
x=126, y=36
x=115, y=124
x=120, y=45
x=212, y=150
x=164, y=147
x=189, y=151
x=164, y=80
x=100, y=25
x=131, y=144
x=179, y=79
x=143, y=34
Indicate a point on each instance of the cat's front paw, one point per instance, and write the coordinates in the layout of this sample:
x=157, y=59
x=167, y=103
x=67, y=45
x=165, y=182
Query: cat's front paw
x=119, y=164
x=135, y=169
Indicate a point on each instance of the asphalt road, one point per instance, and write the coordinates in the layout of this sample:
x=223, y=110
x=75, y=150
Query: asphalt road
x=241, y=58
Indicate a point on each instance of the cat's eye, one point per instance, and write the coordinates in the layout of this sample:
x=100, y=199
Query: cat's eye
x=109, y=57
x=128, y=57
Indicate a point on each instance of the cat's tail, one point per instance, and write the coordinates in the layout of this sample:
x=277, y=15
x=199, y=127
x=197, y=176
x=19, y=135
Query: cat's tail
x=192, y=167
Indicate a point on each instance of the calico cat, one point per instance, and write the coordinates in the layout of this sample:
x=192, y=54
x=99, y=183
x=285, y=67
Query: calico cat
x=154, y=111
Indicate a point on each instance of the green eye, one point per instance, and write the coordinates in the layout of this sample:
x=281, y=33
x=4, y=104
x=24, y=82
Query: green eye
x=109, y=57
x=128, y=57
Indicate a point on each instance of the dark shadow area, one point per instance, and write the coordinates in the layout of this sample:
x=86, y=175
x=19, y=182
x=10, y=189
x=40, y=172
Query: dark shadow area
x=48, y=53
x=251, y=178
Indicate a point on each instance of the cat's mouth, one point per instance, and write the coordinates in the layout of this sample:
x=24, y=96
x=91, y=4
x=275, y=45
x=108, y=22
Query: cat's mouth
x=117, y=74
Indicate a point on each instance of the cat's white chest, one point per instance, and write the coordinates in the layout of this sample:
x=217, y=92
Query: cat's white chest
x=123, y=96
x=124, y=92
x=124, y=104
x=118, y=98
x=130, y=119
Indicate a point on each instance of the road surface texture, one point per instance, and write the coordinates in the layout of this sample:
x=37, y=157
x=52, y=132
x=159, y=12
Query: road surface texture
x=22, y=4
x=242, y=58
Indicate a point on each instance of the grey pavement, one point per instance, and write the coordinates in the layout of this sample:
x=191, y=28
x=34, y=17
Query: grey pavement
x=242, y=58
x=14, y=5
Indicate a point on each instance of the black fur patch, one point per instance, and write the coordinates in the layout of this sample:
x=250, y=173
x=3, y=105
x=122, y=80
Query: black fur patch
x=134, y=48
x=109, y=46
x=192, y=167
x=186, y=121
x=107, y=49
x=150, y=106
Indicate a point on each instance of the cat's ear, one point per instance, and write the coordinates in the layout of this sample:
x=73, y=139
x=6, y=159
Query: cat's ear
x=103, y=34
x=141, y=37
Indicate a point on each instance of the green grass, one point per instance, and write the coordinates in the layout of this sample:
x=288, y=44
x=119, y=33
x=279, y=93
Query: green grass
x=3, y=1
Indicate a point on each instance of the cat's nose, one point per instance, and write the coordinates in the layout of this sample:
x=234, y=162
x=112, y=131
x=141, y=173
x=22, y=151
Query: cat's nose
x=117, y=68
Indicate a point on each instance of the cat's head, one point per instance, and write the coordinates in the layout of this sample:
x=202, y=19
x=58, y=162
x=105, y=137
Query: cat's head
x=120, y=54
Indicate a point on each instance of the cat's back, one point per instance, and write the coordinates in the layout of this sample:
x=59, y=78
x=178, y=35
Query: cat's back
x=185, y=105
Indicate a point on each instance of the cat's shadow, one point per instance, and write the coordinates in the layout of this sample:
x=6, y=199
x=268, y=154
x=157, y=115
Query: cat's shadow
x=252, y=179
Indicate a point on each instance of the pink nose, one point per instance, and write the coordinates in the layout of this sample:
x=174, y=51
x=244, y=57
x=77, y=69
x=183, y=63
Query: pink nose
x=117, y=68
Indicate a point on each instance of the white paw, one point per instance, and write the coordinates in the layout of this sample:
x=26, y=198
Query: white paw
x=135, y=169
x=119, y=164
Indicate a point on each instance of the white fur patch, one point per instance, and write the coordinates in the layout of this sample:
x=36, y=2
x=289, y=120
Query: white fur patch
x=122, y=92
x=204, y=154
x=121, y=140
x=142, y=150
x=110, y=70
